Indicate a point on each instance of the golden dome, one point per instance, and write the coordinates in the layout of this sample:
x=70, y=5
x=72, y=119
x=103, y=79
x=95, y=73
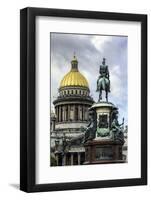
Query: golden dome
x=74, y=77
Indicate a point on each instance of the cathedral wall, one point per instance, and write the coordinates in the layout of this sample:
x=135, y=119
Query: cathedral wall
x=71, y=125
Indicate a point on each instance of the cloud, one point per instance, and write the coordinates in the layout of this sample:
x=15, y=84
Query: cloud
x=116, y=79
x=99, y=42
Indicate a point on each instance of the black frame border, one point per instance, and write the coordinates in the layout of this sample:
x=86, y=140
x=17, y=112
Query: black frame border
x=27, y=99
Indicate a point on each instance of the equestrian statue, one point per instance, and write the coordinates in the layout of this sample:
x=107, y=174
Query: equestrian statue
x=103, y=82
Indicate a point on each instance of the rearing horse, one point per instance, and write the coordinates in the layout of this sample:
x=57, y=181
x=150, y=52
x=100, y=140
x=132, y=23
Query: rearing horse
x=103, y=84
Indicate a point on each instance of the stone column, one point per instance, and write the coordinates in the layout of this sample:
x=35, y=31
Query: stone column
x=83, y=114
x=58, y=114
x=79, y=112
x=71, y=158
x=86, y=112
x=64, y=112
x=59, y=109
x=68, y=112
x=64, y=160
x=63, y=117
x=61, y=113
x=55, y=110
x=79, y=158
x=74, y=113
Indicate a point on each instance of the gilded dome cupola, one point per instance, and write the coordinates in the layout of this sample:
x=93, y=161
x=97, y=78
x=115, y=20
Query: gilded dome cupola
x=74, y=77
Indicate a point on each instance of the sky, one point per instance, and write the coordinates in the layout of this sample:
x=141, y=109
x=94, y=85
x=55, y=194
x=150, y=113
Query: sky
x=90, y=50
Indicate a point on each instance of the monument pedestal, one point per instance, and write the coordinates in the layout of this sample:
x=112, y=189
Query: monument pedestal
x=103, y=151
x=107, y=142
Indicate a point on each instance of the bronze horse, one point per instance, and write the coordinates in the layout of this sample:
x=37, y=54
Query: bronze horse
x=103, y=84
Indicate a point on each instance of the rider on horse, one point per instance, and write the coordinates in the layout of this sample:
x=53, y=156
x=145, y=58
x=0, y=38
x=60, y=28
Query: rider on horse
x=104, y=73
x=103, y=78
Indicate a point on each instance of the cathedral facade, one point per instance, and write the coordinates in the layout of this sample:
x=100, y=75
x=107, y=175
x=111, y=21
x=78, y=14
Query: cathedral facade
x=71, y=114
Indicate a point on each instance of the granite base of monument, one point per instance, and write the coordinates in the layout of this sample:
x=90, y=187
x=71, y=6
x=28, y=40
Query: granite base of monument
x=103, y=152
